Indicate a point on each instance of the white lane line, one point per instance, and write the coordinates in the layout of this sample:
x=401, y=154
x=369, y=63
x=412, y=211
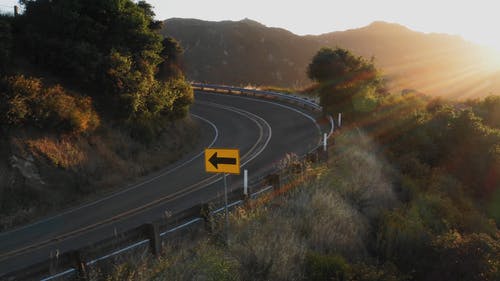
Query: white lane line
x=252, y=117
x=183, y=192
x=127, y=189
x=273, y=103
x=253, y=156
x=175, y=168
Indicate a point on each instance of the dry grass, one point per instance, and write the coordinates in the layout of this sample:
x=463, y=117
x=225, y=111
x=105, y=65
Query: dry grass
x=362, y=175
x=63, y=152
x=270, y=239
x=76, y=169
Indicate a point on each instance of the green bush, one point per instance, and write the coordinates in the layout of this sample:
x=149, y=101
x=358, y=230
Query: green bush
x=368, y=272
x=26, y=102
x=326, y=267
x=466, y=257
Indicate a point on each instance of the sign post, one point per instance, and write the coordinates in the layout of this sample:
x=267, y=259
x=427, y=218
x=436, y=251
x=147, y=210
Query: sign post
x=226, y=209
x=224, y=161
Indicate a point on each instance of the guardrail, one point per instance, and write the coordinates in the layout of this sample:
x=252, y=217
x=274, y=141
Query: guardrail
x=304, y=102
x=151, y=234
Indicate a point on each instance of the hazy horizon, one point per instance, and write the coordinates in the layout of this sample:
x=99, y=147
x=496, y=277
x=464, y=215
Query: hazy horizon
x=473, y=21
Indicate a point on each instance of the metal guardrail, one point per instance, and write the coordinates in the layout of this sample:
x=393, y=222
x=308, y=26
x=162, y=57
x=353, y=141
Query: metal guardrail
x=76, y=262
x=288, y=98
x=305, y=102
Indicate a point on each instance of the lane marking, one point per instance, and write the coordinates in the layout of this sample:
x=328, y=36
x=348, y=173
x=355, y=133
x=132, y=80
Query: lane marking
x=273, y=103
x=243, y=112
x=168, y=198
x=170, y=170
x=198, y=219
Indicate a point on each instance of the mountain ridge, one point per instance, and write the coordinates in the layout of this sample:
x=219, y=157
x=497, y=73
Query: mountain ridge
x=248, y=52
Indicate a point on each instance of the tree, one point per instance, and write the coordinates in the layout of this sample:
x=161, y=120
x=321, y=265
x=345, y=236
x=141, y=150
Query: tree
x=5, y=43
x=171, y=65
x=348, y=84
x=113, y=49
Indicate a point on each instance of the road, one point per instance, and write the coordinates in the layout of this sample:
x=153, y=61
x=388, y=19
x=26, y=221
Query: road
x=264, y=132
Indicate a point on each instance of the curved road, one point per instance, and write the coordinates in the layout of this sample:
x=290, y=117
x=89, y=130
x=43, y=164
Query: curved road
x=264, y=132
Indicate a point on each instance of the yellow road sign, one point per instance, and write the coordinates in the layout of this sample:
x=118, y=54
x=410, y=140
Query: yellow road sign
x=221, y=160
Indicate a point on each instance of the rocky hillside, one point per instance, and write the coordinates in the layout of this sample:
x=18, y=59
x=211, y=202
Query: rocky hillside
x=246, y=51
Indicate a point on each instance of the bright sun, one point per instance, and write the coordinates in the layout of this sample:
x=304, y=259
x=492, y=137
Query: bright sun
x=493, y=57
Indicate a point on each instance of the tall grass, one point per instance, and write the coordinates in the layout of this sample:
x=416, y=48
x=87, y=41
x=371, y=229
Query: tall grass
x=274, y=239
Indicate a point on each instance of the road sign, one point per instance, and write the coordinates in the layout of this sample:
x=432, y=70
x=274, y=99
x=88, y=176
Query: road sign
x=220, y=160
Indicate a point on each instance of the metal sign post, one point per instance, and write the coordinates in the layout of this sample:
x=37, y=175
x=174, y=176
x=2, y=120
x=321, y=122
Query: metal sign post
x=226, y=209
x=223, y=161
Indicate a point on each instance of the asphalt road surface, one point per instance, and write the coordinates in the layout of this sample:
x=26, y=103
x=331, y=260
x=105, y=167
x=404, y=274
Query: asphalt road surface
x=263, y=130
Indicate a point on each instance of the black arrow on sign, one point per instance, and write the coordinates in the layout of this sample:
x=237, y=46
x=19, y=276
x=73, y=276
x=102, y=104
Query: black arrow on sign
x=221, y=160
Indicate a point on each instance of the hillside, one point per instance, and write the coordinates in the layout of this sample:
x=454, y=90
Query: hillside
x=241, y=52
x=246, y=51
x=85, y=113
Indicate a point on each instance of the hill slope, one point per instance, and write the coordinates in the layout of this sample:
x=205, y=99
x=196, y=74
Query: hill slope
x=248, y=52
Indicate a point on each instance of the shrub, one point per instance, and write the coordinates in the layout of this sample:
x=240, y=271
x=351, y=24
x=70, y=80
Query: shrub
x=268, y=251
x=326, y=267
x=70, y=113
x=368, y=272
x=18, y=97
x=466, y=257
x=403, y=239
x=26, y=102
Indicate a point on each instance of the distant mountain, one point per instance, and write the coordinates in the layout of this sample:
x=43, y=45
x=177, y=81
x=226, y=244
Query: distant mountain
x=247, y=52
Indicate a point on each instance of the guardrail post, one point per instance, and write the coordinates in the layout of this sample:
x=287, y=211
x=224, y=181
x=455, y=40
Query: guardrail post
x=152, y=232
x=296, y=168
x=323, y=155
x=80, y=264
x=206, y=215
x=54, y=261
x=312, y=157
x=274, y=180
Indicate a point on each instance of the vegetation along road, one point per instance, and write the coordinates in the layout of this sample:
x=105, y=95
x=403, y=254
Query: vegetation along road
x=264, y=132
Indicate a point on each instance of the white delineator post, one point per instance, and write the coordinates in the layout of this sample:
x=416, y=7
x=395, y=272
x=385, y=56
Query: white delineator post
x=325, y=140
x=245, y=182
x=340, y=120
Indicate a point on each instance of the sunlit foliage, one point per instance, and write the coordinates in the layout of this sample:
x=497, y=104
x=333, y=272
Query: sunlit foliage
x=348, y=84
x=27, y=102
x=111, y=50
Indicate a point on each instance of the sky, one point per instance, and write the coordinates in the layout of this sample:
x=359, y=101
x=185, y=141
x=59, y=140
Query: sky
x=477, y=21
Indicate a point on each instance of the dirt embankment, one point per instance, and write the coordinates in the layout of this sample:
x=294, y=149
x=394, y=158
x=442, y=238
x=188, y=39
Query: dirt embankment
x=42, y=172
